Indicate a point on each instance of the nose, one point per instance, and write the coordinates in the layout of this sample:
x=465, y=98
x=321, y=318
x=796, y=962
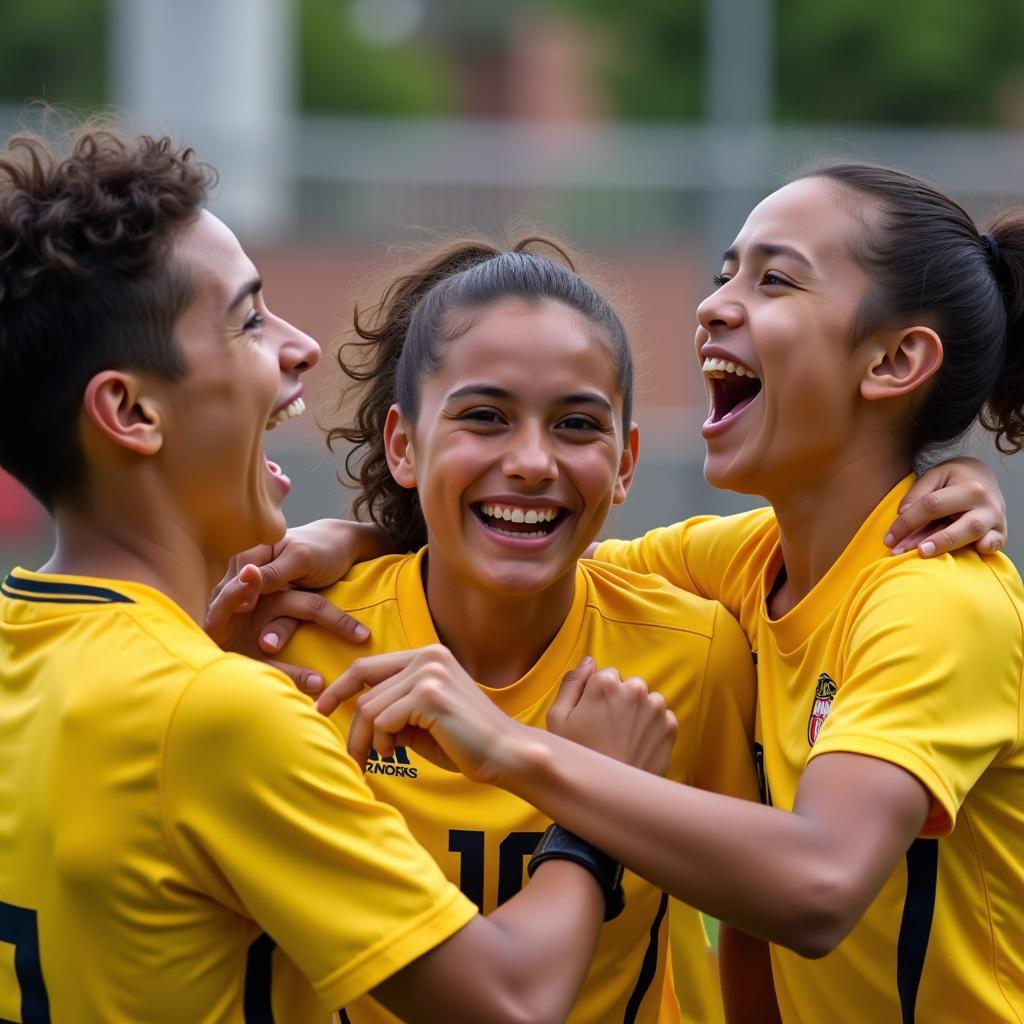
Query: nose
x=530, y=456
x=298, y=351
x=720, y=309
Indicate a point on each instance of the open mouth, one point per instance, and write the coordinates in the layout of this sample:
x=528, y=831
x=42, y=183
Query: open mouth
x=733, y=387
x=520, y=520
x=296, y=407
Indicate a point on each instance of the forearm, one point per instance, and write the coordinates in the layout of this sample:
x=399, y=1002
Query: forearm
x=764, y=870
x=366, y=540
x=523, y=964
x=547, y=936
x=745, y=969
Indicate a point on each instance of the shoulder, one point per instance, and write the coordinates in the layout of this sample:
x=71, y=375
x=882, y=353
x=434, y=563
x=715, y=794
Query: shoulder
x=645, y=600
x=961, y=594
x=952, y=621
x=735, y=535
x=368, y=583
x=242, y=709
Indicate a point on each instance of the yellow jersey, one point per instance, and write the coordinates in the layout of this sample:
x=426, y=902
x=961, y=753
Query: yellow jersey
x=175, y=821
x=688, y=649
x=918, y=662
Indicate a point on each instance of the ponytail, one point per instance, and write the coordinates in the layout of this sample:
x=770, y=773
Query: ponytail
x=372, y=360
x=400, y=339
x=1004, y=412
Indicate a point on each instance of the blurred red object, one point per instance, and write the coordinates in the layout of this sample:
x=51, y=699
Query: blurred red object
x=21, y=516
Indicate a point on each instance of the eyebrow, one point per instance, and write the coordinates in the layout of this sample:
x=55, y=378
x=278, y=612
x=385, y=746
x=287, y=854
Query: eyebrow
x=492, y=391
x=247, y=289
x=766, y=250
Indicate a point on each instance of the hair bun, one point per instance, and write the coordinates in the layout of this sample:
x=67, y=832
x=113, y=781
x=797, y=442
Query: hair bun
x=992, y=249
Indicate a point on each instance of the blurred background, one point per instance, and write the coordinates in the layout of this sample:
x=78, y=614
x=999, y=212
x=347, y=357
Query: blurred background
x=641, y=132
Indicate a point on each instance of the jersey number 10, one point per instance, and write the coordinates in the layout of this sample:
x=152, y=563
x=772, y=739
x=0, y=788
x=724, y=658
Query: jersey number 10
x=514, y=848
x=19, y=929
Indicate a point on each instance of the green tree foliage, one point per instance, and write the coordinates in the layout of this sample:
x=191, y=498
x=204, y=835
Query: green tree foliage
x=896, y=61
x=911, y=61
x=54, y=50
x=651, y=62
x=341, y=72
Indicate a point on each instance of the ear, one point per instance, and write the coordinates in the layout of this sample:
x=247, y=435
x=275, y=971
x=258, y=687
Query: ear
x=627, y=465
x=398, y=448
x=120, y=409
x=902, y=362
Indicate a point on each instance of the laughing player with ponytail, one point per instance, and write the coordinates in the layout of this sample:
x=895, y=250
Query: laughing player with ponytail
x=493, y=434
x=872, y=320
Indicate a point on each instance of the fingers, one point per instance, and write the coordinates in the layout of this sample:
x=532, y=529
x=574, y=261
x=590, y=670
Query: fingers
x=305, y=679
x=276, y=633
x=992, y=542
x=921, y=509
x=571, y=690
x=365, y=732
x=363, y=672
x=291, y=564
x=237, y=596
x=946, y=520
x=958, y=534
x=291, y=607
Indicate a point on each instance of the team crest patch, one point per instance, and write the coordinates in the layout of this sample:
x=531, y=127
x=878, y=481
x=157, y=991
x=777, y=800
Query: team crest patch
x=824, y=694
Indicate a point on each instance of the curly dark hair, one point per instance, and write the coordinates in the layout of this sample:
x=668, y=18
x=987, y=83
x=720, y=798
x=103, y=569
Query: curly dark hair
x=399, y=342
x=86, y=284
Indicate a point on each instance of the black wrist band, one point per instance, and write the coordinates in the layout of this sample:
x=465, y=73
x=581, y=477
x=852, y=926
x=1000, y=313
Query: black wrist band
x=559, y=843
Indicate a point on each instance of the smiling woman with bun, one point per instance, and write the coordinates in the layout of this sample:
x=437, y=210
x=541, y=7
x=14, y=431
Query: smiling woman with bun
x=860, y=319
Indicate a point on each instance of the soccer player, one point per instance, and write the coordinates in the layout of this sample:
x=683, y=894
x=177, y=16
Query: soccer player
x=498, y=477
x=175, y=820
x=860, y=317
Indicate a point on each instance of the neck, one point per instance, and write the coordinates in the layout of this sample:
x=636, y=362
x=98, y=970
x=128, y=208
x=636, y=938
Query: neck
x=496, y=638
x=817, y=521
x=159, y=554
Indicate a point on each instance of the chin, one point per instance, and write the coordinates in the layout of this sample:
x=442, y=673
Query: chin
x=518, y=583
x=726, y=477
x=268, y=529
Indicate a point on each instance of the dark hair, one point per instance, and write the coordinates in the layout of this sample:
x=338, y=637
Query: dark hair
x=85, y=285
x=400, y=342
x=926, y=259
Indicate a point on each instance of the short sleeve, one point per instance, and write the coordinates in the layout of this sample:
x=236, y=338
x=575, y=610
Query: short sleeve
x=273, y=819
x=709, y=556
x=930, y=681
x=723, y=733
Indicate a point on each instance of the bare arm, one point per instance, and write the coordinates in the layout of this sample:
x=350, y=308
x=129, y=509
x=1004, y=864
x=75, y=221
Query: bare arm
x=529, y=957
x=523, y=964
x=801, y=879
x=745, y=970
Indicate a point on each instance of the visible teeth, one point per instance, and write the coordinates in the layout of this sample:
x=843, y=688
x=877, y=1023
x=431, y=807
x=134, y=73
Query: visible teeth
x=720, y=367
x=519, y=515
x=290, y=411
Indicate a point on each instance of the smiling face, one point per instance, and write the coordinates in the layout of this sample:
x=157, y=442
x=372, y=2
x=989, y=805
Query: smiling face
x=517, y=451
x=244, y=365
x=782, y=374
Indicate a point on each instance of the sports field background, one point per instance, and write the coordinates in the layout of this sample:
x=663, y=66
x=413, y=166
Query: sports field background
x=345, y=130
